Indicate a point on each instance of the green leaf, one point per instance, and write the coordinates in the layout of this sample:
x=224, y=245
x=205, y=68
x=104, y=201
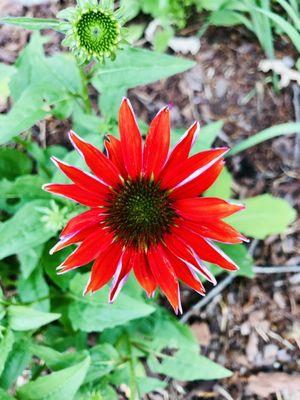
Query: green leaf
x=29, y=260
x=6, y=345
x=66, y=71
x=23, y=115
x=31, y=23
x=187, y=365
x=34, y=289
x=23, y=318
x=222, y=186
x=47, y=82
x=17, y=361
x=50, y=262
x=100, y=391
x=25, y=187
x=85, y=123
x=134, y=67
x=288, y=28
x=6, y=72
x=146, y=384
x=95, y=312
x=266, y=134
x=59, y=385
x=24, y=230
x=207, y=136
x=13, y=163
x=4, y=395
x=104, y=359
x=264, y=215
x=54, y=359
x=239, y=254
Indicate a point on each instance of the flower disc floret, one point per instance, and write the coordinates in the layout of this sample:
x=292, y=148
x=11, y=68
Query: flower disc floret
x=140, y=213
x=93, y=30
x=145, y=213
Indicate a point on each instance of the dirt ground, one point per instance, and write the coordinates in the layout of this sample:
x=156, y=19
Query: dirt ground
x=252, y=327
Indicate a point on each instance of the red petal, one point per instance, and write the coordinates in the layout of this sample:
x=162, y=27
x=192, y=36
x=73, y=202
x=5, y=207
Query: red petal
x=216, y=230
x=191, y=168
x=206, y=208
x=157, y=144
x=88, y=250
x=82, y=179
x=114, y=150
x=120, y=279
x=143, y=273
x=205, y=250
x=104, y=267
x=81, y=221
x=184, y=273
x=182, y=149
x=200, y=184
x=73, y=239
x=98, y=163
x=165, y=276
x=131, y=140
x=181, y=250
x=75, y=193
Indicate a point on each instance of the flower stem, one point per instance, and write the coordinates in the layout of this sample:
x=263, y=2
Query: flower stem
x=133, y=388
x=86, y=99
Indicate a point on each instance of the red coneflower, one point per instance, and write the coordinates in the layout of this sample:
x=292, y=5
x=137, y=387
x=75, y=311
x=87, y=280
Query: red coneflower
x=145, y=211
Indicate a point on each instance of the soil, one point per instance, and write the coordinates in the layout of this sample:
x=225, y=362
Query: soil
x=253, y=327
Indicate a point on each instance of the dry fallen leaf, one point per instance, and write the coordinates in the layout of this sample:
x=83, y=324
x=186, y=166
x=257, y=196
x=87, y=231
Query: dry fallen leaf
x=278, y=66
x=265, y=384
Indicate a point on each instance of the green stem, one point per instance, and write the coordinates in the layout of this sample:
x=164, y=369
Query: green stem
x=133, y=388
x=86, y=99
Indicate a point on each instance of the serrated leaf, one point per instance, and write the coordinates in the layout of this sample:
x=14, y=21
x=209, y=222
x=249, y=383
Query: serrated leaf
x=23, y=318
x=264, y=215
x=58, y=385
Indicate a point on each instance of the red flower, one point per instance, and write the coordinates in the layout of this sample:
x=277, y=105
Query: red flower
x=145, y=211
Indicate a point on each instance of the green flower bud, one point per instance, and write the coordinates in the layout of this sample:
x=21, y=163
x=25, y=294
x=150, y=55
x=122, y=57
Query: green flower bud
x=93, y=30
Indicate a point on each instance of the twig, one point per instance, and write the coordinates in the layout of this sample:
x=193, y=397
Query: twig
x=223, y=284
x=296, y=104
x=276, y=270
x=203, y=302
x=215, y=291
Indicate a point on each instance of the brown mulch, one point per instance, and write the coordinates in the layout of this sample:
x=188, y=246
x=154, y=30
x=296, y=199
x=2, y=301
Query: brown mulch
x=253, y=327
